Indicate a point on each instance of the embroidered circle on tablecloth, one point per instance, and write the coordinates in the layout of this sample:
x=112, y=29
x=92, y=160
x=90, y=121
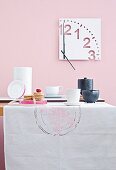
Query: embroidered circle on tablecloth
x=57, y=121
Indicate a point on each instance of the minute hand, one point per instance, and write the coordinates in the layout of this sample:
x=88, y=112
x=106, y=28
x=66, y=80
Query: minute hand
x=68, y=60
x=63, y=42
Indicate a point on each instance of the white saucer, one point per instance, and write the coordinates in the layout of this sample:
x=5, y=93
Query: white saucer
x=16, y=89
x=72, y=104
x=53, y=96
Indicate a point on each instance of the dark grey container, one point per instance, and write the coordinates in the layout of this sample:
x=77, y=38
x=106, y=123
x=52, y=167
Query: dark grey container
x=85, y=84
x=90, y=96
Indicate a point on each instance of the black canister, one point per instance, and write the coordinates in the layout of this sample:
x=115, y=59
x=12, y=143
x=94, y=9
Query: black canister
x=85, y=84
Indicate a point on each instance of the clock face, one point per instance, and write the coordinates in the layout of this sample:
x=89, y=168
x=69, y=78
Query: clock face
x=80, y=39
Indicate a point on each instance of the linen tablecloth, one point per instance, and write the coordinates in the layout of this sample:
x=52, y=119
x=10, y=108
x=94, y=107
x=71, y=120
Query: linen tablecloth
x=59, y=137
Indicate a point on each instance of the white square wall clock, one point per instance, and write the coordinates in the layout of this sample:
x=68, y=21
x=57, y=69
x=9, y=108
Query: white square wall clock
x=80, y=38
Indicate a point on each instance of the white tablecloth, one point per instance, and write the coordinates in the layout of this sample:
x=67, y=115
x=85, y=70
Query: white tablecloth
x=59, y=137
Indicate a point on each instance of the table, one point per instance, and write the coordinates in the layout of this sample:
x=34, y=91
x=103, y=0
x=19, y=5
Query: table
x=5, y=100
x=1, y=108
x=59, y=137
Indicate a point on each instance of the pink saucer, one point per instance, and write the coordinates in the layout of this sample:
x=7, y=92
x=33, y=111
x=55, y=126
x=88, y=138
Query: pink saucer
x=32, y=102
x=41, y=102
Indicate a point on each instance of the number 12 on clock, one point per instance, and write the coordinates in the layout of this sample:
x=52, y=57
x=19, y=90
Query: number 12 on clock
x=80, y=38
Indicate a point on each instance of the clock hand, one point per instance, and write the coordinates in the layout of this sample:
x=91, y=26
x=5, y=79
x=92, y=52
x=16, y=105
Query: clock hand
x=63, y=51
x=68, y=60
x=63, y=42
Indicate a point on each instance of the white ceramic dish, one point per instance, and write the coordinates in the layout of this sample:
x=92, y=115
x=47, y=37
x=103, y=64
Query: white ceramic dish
x=53, y=96
x=54, y=90
x=16, y=89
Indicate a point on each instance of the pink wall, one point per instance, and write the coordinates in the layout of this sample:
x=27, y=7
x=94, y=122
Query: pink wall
x=29, y=37
x=2, y=164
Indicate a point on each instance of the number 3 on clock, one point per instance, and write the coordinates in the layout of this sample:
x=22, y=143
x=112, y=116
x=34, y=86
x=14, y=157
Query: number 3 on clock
x=80, y=39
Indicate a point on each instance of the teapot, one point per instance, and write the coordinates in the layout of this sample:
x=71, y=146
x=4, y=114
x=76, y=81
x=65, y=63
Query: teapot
x=85, y=84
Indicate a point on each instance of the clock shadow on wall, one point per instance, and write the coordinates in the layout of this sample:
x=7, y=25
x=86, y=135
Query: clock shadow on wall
x=79, y=39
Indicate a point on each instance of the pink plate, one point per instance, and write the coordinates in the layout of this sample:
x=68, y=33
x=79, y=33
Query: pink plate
x=32, y=102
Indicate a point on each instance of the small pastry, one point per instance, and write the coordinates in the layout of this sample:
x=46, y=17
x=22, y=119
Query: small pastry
x=38, y=95
x=28, y=97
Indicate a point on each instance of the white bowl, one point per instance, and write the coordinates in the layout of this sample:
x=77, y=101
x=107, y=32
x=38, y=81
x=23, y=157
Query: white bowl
x=52, y=90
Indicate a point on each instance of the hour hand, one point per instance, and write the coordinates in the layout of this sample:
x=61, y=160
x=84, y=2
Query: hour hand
x=63, y=54
x=68, y=60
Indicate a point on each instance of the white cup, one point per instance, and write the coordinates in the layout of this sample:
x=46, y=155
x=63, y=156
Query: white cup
x=73, y=96
x=52, y=90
